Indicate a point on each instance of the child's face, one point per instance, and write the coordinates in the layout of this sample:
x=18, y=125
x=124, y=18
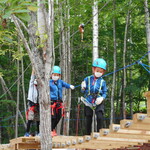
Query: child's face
x=55, y=76
x=98, y=72
x=97, y=69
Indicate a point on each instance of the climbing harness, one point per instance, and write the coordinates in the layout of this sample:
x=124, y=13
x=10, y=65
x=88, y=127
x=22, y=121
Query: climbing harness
x=56, y=106
x=31, y=112
x=91, y=105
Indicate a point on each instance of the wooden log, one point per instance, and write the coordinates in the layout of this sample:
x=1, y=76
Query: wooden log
x=125, y=123
x=147, y=95
x=104, y=132
x=95, y=135
x=114, y=127
x=141, y=118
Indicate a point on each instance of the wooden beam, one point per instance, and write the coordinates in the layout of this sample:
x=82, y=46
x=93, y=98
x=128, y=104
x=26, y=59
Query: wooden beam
x=114, y=127
x=125, y=123
x=141, y=118
x=147, y=95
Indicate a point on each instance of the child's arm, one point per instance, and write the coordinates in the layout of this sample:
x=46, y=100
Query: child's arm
x=68, y=86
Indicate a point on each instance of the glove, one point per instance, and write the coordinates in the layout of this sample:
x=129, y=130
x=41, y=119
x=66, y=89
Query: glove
x=72, y=87
x=99, y=100
x=83, y=85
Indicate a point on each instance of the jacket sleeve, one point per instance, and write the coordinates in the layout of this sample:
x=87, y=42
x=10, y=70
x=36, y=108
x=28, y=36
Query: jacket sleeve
x=86, y=81
x=66, y=85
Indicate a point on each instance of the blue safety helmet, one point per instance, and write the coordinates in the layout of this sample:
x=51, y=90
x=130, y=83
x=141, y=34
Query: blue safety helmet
x=56, y=69
x=99, y=62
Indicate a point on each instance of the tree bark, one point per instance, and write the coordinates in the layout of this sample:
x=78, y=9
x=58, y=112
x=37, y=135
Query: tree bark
x=124, y=64
x=147, y=27
x=17, y=109
x=95, y=30
x=114, y=74
x=42, y=66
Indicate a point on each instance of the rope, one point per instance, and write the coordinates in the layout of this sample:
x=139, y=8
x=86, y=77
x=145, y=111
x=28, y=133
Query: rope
x=15, y=81
x=136, y=62
x=143, y=65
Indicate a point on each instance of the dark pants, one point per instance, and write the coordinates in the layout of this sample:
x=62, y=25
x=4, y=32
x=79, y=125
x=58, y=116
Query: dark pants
x=29, y=125
x=29, y=122
x=56, y=116
x=89, y=116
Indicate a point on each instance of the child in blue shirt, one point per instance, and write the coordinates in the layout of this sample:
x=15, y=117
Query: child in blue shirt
x=56, y=87
x=95, y=91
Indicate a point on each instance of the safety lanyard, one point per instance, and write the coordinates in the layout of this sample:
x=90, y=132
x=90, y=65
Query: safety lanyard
x=101, y=83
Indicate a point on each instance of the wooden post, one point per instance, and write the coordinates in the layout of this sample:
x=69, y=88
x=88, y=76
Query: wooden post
x=147, y=95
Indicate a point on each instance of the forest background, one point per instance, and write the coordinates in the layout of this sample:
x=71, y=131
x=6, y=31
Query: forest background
x=15, y=65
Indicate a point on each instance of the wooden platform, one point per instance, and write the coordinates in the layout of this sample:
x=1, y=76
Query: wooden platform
x=129, y=134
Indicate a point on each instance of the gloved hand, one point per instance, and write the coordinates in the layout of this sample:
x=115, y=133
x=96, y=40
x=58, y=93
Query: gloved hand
x=72, y=87
x=83, y=85
x=99, y=100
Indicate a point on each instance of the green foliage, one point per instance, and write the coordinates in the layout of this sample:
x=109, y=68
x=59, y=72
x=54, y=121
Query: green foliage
x=20, y=8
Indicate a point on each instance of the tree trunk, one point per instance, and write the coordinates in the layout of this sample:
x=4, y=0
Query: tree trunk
x=68, y=66
x=17, y=109
x=95, y=30
x=42, y=64
x=124, y=64
x=147, y=28
x=114, y=74
x=23, y=86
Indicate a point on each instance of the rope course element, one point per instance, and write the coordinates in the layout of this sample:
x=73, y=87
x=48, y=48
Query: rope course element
x=136, y=62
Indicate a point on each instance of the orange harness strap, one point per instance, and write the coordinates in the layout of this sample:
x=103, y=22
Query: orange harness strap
x=32, y=108
x=53, y=107
x=61, y=106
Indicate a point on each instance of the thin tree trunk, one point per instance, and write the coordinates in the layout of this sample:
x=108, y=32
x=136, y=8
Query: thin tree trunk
x=124, y=64
x=95, y=30
x=3, y=87
x=23, y=86
x=114, y=75
x=130, y=74
x=17, y=108
x=68, y=66
x=147, y=27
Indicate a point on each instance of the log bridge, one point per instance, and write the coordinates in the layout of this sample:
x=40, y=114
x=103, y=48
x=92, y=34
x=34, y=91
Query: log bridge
x=128, y=135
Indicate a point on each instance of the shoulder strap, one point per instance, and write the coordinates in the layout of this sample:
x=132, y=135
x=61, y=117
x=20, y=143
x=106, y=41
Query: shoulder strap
x=88, y=85
x=101, y=83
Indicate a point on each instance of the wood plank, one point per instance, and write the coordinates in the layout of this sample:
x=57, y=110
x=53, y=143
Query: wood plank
x=28, y=146
x=141, y=118
x=129, y=136
x=147, y=95
x=114, y=127
x=125, y=123
x=136, y=126
x=102, y=144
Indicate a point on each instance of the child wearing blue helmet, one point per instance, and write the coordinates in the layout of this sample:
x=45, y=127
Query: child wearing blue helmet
x=95, y=91
x=56, y=87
